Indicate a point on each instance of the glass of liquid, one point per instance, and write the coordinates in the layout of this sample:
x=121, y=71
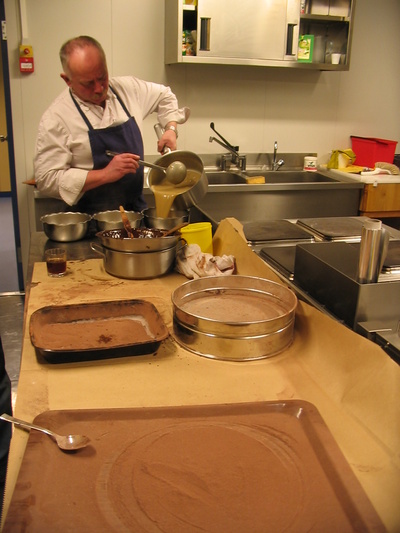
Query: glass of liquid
x=56, y=262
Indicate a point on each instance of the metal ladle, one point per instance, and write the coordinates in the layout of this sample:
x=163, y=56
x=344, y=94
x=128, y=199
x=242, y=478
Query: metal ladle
x=175, y=172
x=64, y=442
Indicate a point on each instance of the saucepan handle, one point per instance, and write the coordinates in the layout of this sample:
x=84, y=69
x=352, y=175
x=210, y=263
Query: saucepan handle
x=97, y=248
x=159, y=132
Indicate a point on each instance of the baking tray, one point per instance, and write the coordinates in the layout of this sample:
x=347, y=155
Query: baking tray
x=264, y=466
x=276, y=231
x=101, y=330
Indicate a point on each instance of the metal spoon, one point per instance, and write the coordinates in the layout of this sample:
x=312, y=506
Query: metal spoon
x=175, y=172
x=175, y=228
x=64, y=442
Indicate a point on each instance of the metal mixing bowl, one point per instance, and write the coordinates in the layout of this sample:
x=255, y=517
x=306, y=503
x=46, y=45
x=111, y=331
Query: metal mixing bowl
x=151, y=219
x=106, y=220
x=66, y=227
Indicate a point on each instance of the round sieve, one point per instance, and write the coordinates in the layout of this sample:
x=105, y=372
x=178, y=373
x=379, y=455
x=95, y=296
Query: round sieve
x=238, y=318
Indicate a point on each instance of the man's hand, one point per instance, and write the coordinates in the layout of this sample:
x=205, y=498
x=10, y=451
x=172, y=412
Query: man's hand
x=119, y=166
x=168, y=140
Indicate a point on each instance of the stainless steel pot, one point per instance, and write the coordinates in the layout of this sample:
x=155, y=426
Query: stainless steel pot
x=139, y=265
x=151, y=219
x=115, y=239
x=192, y=161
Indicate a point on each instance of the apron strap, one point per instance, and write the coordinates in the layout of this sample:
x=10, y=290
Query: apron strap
x=90, y=127
x=120, y=101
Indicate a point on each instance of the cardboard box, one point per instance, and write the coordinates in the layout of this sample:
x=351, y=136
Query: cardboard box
x=305, y=49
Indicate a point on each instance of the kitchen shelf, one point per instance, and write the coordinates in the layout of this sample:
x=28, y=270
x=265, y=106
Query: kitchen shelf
x=324, y=18
x=333, y=32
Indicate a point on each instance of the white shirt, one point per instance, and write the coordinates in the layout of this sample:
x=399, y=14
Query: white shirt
x=63, y=155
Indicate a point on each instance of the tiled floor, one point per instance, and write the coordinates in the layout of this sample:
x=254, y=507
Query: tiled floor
x=11, y=325
x=8, y=258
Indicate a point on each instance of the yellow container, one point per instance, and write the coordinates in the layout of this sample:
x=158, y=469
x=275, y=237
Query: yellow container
x=199, y=233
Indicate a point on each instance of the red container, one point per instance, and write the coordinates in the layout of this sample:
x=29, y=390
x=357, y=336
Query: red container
x=370, y=150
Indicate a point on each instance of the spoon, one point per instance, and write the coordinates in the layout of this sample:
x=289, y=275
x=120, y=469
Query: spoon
x=175, y=228
x=126, y=223
x=175, y=172
x=64, y=442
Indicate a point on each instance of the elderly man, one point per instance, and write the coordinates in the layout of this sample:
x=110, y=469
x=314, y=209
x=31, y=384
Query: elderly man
x=91, y=117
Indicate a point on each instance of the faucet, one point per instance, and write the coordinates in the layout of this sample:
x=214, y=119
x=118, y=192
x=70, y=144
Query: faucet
x=276, y=165
x=236, y=159
x=239, y=160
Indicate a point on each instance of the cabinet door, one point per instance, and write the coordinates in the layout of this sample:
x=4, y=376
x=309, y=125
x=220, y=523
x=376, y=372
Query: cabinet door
x=253, y=29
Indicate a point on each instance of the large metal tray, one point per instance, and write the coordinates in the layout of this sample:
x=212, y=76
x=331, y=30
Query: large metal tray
x=265, y=466
x=101, y=330
x=340, y=229
x=276, y=231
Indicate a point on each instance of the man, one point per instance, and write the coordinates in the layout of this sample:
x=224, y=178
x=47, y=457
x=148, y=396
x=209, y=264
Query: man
x=93, y=116
x=5, y=427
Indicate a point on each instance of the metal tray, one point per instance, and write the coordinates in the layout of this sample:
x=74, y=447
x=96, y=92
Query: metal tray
x=346, y=229
x=264, y=466
x=276, y=231
x=280, y=257
x=101, y=330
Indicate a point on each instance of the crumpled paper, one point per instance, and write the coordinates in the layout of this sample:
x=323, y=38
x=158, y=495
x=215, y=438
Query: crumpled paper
x=193, y=263
x=341, y=158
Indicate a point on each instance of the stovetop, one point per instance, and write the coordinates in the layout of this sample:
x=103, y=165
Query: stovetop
x=276, y=241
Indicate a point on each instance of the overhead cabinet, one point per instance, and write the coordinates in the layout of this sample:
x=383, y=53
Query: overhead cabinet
x=259, y=32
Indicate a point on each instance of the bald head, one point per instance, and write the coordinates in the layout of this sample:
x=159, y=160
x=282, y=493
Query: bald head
x=85, y=69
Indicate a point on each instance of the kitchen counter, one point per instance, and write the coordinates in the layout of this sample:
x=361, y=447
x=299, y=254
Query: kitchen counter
x=350, y=380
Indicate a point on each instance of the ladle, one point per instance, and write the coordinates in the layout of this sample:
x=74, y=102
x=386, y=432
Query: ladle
x=64, y=442
x=175, y=172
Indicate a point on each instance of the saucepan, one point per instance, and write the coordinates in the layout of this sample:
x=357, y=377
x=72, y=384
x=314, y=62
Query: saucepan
x=138, y=265
x=192, y=162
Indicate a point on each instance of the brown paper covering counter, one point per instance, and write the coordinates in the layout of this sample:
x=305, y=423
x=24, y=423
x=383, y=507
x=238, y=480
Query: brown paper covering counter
x=351, y=381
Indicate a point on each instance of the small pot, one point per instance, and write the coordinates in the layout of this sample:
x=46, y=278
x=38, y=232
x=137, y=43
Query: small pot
x=151, y=220
x=131, y=265
x=112, y=219
x=145, y=240
x=66, y=227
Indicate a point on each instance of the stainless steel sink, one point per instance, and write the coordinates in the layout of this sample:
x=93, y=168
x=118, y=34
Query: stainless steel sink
x=292, y=176
x=271, y=177
x=224, y=178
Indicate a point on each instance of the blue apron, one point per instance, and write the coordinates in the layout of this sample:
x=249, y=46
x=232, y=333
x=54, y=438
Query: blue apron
x=128, y=191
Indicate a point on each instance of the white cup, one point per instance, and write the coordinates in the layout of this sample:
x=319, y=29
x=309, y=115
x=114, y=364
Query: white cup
x=335, y=58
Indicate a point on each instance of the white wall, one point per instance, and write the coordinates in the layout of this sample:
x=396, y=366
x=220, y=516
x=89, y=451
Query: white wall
x=251, y=106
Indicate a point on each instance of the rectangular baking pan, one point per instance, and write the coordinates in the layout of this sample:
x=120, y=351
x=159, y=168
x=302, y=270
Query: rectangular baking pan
x=262, y=466
x=101, y=330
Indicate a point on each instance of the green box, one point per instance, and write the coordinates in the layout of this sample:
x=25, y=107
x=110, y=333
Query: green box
x=305, y=49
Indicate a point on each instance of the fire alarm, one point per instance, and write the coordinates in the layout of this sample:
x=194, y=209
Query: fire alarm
x=26, y=63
